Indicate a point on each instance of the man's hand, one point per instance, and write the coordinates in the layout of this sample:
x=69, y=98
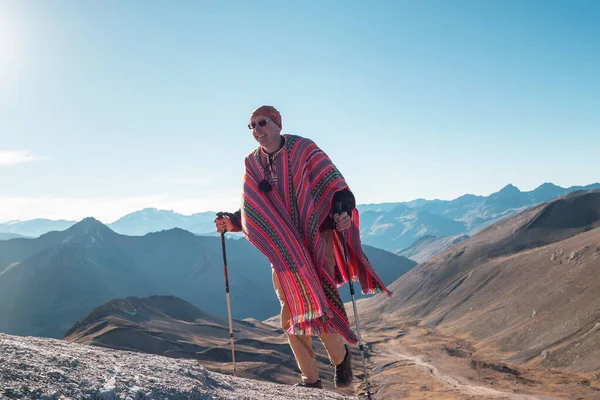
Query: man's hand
x=342, y=221
x=223, y=224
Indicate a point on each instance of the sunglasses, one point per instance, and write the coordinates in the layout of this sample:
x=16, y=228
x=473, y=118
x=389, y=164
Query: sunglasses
x=262, y=122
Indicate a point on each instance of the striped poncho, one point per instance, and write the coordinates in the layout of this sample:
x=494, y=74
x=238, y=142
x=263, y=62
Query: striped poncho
x=283, y=224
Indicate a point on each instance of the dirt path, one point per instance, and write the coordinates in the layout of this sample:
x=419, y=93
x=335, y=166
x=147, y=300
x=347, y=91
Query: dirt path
x=458, y=384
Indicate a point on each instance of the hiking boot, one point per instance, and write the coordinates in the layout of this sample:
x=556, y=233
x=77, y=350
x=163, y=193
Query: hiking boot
x=343, y=371
x=316, y=385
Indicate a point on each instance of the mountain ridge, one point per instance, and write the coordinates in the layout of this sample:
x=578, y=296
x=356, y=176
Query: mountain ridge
x=151, y=219
x=506, y=286
x=89, y=264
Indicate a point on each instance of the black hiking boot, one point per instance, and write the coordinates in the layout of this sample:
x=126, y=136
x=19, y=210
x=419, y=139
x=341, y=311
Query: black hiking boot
x=343, y=371
x=315, y=385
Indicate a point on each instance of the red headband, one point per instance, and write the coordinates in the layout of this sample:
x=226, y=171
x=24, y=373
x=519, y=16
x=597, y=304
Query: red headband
x=269, y=112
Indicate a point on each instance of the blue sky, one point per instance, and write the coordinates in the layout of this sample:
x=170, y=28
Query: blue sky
x=107, y=107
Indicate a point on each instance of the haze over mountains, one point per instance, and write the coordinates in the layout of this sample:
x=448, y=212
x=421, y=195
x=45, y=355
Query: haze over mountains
x=49, y=283
x=33, y=227
x=137, y=223
x=6, y=236
x=395, y=227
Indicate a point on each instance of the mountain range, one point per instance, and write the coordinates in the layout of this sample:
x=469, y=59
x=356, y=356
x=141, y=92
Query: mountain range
x=389, y=226
x=517, y=302
x=137, y=223
x=510, y=312
x=397, y=226
x=49, y=283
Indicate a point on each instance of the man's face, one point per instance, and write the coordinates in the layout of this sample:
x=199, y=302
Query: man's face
x=266, y=132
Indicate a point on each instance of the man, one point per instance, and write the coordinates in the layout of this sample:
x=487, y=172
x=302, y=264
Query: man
x=290, y=190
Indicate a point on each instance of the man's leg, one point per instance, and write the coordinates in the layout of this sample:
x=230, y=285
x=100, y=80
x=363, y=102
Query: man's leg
x=333, y=342
x=301, y=345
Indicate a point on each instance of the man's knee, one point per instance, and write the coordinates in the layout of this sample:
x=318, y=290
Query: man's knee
x=285, y=323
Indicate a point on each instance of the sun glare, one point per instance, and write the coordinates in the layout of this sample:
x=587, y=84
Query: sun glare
x=8, y=47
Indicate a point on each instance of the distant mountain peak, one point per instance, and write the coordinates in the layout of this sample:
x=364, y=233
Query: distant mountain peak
x=510, y=188
x=548, y=185
x=90, y=221
x=89, y=225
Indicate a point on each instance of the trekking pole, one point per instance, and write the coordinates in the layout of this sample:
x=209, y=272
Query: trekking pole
x=338, y=210
x=221, y=215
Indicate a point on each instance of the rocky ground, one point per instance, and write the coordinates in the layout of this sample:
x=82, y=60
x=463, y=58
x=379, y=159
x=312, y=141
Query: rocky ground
x=39, y=368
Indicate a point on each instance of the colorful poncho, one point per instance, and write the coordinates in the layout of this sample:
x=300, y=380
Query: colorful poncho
x=283, y=224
